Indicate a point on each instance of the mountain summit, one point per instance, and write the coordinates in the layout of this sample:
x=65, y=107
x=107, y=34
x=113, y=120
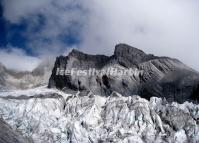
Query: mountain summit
x=153, y=76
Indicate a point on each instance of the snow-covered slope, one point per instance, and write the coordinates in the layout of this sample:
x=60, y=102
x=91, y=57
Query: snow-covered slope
x=51, y=116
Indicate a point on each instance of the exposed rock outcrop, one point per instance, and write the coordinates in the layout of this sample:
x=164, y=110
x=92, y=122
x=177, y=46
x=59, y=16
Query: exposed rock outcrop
x=152, y=76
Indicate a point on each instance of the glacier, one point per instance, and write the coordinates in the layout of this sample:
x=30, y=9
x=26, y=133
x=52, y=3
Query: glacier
x=52, y=116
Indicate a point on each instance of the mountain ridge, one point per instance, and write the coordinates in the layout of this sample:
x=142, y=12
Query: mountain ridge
x=151, y=82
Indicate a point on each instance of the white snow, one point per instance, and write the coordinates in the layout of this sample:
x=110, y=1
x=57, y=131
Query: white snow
x=31, y=92
x=94, y=118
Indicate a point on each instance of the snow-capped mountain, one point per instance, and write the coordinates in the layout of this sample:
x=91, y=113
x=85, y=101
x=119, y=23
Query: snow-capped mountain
x=102, y=109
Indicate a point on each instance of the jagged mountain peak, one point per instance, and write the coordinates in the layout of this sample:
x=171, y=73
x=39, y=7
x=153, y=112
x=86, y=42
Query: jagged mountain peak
x=124, y=49
x=75, y=52
x=119, y=48
x=81, y=56
x=129, y=56
x=152, y=75
x=124, y=55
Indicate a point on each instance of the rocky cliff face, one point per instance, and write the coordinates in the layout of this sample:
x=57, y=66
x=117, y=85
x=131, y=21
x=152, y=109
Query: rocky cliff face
x=152, y=75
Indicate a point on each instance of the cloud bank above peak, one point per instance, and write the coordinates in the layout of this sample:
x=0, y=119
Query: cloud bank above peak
x=165, y=28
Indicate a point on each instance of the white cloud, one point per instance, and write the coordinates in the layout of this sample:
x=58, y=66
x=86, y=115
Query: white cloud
x=163, y=27
x=17, y=59
x=60, y=18
x=166, y=27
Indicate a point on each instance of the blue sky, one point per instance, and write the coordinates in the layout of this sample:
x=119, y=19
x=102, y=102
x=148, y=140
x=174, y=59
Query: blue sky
x=31, y=31
x=19, y=34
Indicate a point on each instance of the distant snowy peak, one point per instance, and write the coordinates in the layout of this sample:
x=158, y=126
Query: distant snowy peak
x=153, y=76
x=12, y=80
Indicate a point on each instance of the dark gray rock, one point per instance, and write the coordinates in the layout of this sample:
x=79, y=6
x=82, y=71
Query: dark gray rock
x=129, y=56
x=8, y=135
x=153, y=76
